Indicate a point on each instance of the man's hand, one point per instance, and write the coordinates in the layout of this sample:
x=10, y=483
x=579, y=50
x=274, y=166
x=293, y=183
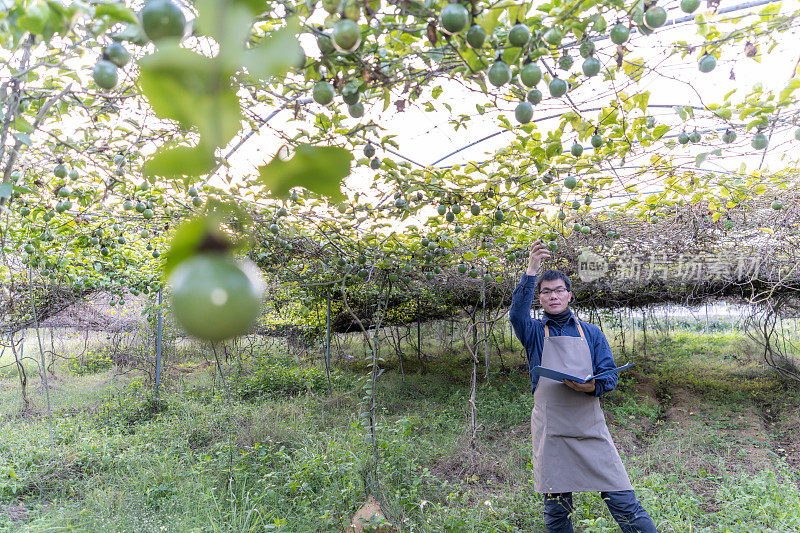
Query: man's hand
x=538, y=253
x=580, y=387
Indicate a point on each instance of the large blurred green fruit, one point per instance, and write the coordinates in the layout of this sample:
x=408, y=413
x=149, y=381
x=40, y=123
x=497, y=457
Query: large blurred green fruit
x=215, y=298
x=162, y=19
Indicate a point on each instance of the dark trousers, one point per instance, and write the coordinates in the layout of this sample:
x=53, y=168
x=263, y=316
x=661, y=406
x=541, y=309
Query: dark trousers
x=624, y=507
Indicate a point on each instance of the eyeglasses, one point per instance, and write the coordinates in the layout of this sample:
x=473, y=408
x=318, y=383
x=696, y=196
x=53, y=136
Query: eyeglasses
x=559, y=291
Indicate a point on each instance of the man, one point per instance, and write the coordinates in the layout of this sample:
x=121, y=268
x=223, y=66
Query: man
x=572, y=448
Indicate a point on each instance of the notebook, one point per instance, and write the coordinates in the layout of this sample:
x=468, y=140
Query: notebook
x=558, y=376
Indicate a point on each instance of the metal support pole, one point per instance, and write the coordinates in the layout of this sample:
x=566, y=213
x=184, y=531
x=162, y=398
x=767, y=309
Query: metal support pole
x=328, y=339
x=158, y=343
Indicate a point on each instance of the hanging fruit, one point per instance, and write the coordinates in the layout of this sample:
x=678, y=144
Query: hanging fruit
x=524, y=112
x=707, y=63
x=346, y=35
x=454, y=18
x=499, y=73
x=530, y=74
x=519, y=35
x=620, y=33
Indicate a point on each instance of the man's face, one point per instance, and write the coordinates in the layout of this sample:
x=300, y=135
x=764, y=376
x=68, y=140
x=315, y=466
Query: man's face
x=554, y=296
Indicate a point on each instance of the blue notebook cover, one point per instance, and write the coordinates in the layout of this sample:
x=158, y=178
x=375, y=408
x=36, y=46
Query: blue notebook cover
x=558, y=376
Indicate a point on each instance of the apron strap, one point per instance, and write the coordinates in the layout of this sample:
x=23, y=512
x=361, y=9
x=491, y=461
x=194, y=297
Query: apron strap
x=580, y=329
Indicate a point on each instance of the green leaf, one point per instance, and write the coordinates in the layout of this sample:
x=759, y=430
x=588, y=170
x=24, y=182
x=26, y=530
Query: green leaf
x=21, y=124
x=793, y=84
x=386, y=99
x=660, y=130
x=5, y=190
x=193, y=90
x=116, y=12
x=180, y=161
x=317, y=168
x=275, y=55
x=133, y=32
x=24, y=138
x=644, y=99
x=488, y=19
x=35, y=18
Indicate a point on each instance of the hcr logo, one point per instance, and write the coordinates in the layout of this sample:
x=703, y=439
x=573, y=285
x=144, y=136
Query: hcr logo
x=591, y=266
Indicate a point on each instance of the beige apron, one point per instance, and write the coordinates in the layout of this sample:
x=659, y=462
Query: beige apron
x=572, y=448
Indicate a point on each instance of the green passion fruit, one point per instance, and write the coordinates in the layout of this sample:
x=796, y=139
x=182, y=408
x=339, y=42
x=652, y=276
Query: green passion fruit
x=565, y=62
x=499, y=73
x=530, y=74
x=162, y=19
x=215, y=297
x=323, y=93
x=620, y=33
x=476, y=36
x=350, y=94
x=105, y=74
x=534, y=96
x=557, y=87
x=591, y=66
x=655, y=17
x=586, y=49
x=707, y=63
x=689, y=6
x=759, y=141
x=729, y=136
x=523, y=112
x=356, y=110
x=346, y=35
x=553, y=36
x=519, y=35
x=117, y=54
x=453, y=18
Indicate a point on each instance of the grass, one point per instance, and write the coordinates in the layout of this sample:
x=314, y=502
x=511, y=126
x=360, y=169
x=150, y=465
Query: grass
x=699, y=424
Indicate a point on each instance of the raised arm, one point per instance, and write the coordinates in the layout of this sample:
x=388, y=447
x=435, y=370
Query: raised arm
x=522, y=299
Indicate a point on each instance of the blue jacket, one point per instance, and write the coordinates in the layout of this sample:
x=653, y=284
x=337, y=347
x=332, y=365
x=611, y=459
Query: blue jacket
x=530, y=332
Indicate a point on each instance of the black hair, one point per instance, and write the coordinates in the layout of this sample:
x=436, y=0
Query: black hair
x=552, y=275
